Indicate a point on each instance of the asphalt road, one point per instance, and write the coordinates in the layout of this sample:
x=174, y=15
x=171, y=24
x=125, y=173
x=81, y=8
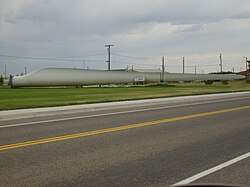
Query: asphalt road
x=152, y=144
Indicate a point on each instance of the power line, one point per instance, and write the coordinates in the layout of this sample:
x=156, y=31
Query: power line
x=83, y=56
x=140, y=64
x=45, y=58
x=143, y=58
x=174, y=59
x=204, y=66
x=168, y=66
x=38, y=58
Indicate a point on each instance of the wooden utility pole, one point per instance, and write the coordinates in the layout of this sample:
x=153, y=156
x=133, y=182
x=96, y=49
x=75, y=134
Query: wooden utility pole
x=221, y=63
x=163, y=64
x=109, y=58
x=5, y=71
x=183, y=65
x=163, y=69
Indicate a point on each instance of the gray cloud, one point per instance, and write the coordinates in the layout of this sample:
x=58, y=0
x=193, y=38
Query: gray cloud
x=102, y=16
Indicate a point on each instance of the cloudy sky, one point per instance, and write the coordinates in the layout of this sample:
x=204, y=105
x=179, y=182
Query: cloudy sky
x=73, y=33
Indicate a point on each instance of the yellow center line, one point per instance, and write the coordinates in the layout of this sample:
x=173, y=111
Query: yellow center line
x=114, y=129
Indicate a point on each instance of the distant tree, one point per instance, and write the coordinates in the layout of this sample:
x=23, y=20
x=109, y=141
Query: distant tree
x=1, y=80
x=209, y=82
x=225, y=82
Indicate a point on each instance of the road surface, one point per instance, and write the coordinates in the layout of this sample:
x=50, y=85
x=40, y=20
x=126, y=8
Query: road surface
x=148, y=143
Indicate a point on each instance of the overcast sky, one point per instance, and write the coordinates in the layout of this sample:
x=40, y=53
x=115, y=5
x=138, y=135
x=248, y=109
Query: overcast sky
x=73, y=33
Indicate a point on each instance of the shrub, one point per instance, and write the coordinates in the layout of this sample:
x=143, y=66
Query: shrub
x=225, y=82
x=209, y=82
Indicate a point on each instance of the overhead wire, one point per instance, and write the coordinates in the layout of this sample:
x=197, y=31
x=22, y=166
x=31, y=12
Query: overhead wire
x=168, y=62
x=133, y=57
x=46, y=58
x=119, y=62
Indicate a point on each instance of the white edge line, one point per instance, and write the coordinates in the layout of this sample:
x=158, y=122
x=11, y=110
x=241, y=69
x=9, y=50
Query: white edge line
x=116, y=113
x=212, y=170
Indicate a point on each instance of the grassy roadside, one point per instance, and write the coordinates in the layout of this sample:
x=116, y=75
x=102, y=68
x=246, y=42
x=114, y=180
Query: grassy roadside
x=44, y=97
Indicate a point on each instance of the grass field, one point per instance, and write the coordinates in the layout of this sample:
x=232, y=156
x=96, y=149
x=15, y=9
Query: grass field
x=43, y=97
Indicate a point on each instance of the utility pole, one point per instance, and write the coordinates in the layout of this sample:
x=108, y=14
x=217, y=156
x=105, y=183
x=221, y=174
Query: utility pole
x=163, y=69
x=163, y=64
x=246, y=63
x=5, y=71
x=195, y=69
x=221, y=63
x=108, y=46
x=25, y=70
x=183, y=65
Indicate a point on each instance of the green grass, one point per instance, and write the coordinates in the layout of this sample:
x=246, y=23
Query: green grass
x=18, y=98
